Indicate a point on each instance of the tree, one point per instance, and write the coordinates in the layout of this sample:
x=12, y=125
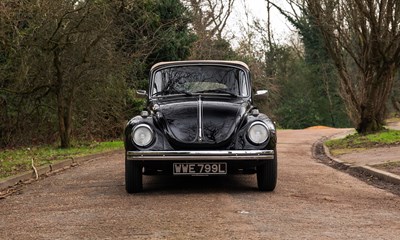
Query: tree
x=55, y=50
x=298, y=76
x=320, y=73
x=363, y=40
x=153, y=31
x=68, y=68
x=208, y=20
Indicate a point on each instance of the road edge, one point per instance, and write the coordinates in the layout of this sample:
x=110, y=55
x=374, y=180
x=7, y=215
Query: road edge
x=51, y=168
x=382, y=175
x=370, y=176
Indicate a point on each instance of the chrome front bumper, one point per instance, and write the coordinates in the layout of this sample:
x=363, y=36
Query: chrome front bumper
x=200, y=155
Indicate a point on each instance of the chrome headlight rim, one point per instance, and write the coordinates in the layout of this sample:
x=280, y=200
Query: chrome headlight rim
x=147, y=143
x=253, y=141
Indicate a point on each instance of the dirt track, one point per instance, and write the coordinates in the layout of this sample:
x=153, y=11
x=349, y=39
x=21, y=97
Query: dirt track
x=312, y=201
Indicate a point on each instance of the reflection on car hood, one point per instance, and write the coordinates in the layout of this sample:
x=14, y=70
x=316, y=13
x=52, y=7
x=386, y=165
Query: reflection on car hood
x=199, y=121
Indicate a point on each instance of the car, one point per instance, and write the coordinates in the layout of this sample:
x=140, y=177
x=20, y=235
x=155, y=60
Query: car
x=200, y=121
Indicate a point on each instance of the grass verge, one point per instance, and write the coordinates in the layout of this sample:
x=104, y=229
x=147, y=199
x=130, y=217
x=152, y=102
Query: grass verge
x=358, y=141
x=16, y=161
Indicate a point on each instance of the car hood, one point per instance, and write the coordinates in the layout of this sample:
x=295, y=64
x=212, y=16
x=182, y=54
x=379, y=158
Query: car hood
x=199, y=121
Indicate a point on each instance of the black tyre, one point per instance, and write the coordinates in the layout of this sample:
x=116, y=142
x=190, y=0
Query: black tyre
x=133, y=176
x=267, y=174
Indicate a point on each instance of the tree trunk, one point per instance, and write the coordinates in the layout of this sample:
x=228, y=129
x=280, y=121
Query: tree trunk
x=64, y=107
x=64, y=127
x=369, y=123
x=64, y=120
x=373, y=107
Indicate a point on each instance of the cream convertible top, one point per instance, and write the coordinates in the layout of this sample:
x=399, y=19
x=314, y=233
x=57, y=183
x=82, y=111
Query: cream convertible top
x=189, y=62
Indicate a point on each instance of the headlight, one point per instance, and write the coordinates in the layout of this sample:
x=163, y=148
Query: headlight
x=258, y=132
x=142, y=135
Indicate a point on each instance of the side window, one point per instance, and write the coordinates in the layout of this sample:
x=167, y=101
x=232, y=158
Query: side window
x=243, y=84
x=157, y=85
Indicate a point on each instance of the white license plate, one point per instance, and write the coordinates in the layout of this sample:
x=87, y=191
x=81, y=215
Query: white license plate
x=200, y=168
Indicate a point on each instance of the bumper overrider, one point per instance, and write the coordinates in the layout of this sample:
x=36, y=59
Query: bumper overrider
x=200, y=155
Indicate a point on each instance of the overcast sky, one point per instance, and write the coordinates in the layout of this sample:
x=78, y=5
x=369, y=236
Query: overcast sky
x=281, y=28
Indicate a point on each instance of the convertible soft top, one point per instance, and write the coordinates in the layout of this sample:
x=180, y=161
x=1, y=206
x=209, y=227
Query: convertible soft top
x=194, y=62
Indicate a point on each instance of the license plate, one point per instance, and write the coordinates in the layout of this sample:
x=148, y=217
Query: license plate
x=200, y=168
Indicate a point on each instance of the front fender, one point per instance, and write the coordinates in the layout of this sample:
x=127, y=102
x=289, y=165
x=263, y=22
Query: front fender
x=159, y=143
x=242, y=141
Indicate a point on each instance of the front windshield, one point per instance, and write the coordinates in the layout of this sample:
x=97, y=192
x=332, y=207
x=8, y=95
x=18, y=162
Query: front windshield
x=207, y=79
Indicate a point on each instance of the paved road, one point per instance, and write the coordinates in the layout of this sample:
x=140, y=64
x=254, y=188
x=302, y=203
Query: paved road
x=312, y=201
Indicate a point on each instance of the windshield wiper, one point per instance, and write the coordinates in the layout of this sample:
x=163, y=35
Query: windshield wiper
x=168, y=92
x=218, y=91
x=182, y=92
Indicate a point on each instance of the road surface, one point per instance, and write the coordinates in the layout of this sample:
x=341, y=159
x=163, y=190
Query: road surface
x=311, y=201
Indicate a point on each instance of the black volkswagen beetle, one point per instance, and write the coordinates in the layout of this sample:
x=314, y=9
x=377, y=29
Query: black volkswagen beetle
x=200, y=121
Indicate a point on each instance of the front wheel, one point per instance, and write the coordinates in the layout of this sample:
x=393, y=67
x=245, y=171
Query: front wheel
x=133, y=176
x=267, y=174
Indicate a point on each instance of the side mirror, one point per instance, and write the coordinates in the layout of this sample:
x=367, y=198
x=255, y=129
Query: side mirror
x=141, y=93
x=261, y=93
